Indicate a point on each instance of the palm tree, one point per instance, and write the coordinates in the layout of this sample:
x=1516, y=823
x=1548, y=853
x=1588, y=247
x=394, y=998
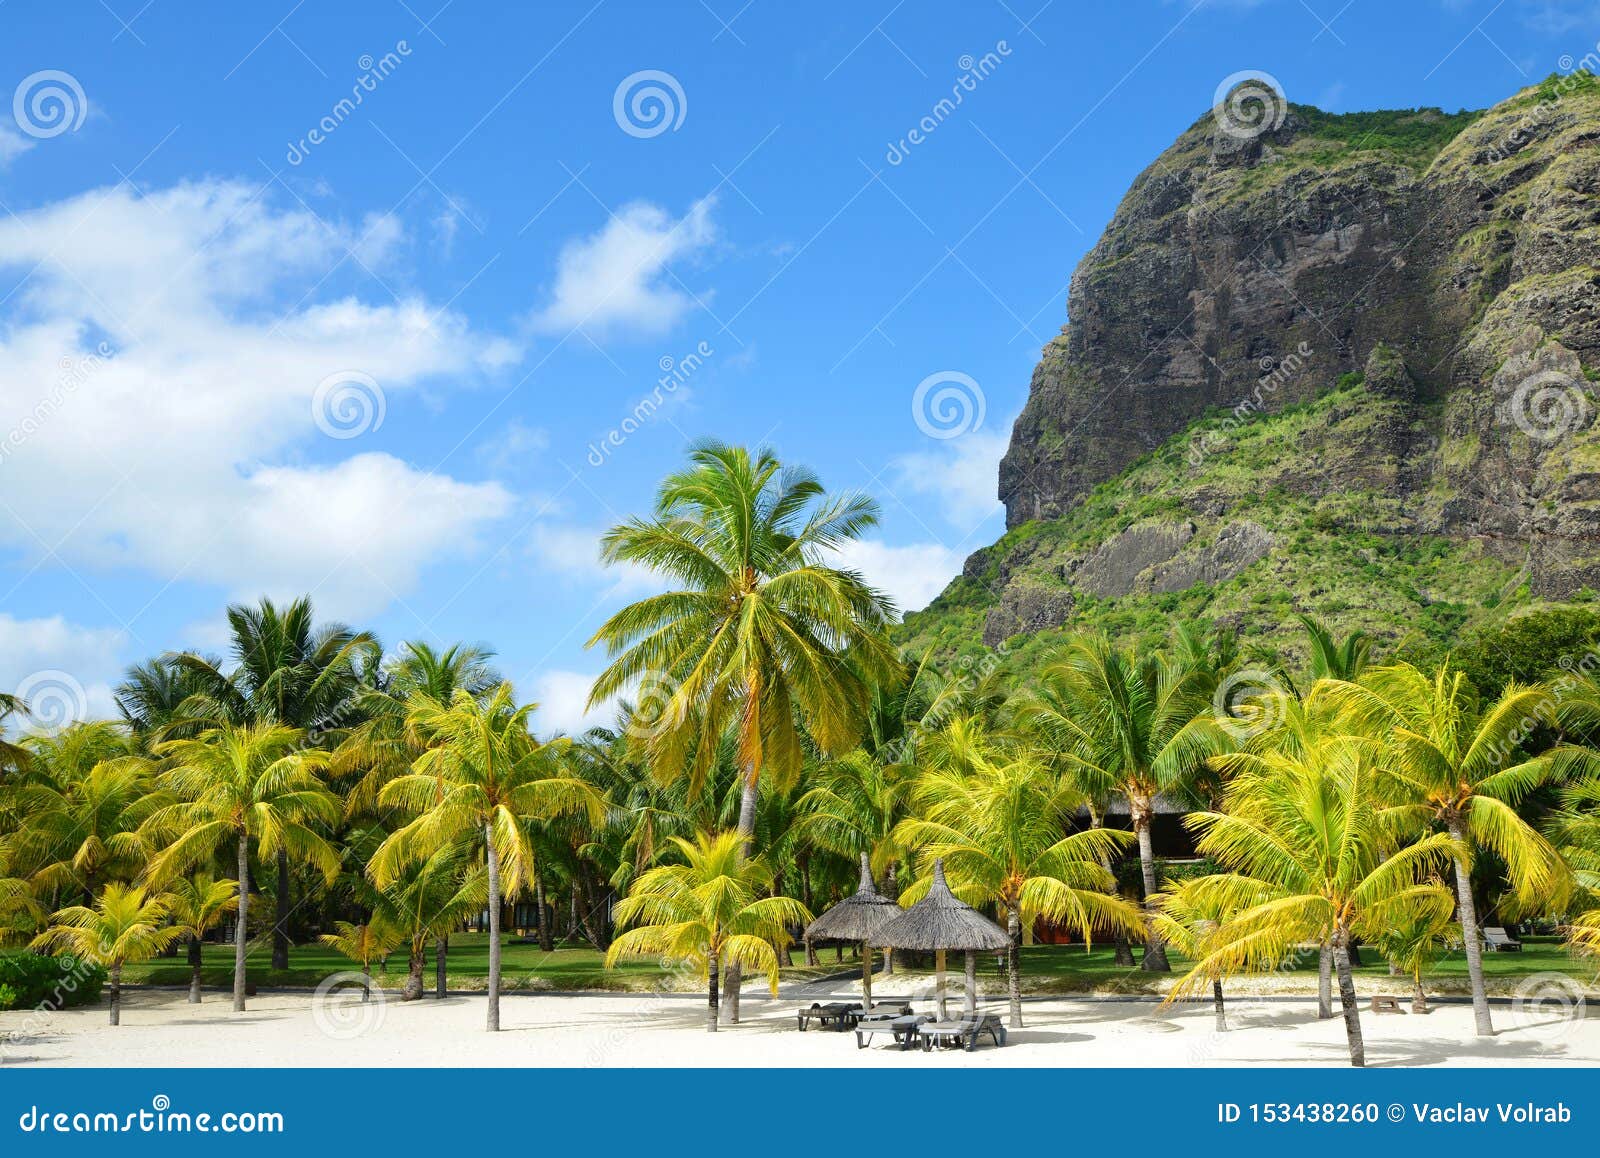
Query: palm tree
x=1415, y=939
x=80, y=810
x=286, y=670
x=760, y=635
x=855, y=806
x=123, y=926
x=1140, y=723
x=1191, y=918
x=708, y=911
x=365, y=943
x=1456, y=762
x=197, y=904
x=427, y=901
x=1332, y=659
x=481, y=775
x=239, y=783
x=1306, y=837
x=997, y=816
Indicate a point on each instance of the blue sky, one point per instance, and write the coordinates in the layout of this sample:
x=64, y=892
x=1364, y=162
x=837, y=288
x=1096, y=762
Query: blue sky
x=259, y=336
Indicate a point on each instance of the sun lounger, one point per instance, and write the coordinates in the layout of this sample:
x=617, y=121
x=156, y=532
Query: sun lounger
x=902, y=1029
x=963, y=1032
x=1497, y=940
x=838, y=1014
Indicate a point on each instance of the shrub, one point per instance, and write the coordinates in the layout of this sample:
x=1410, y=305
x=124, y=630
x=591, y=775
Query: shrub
x=33, y=980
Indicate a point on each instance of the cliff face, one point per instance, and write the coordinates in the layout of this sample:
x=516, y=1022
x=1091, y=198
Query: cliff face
x=1343, y=366
x=1451, y=259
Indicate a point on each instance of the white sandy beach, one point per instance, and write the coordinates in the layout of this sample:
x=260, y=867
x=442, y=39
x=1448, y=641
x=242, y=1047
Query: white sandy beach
x=159, y=1028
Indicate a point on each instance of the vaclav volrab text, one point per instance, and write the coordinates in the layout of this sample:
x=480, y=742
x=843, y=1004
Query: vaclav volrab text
x=1503, y=1111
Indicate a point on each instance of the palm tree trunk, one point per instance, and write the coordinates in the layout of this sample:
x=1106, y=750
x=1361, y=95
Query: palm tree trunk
x=732, y=976
x=1124, y=950
x=1014, y=964
x=116, y=993
x=280, y=919
x=416, y=962
x=493, y=859
x=1419, y=999
x=194, y=970
x=811, y=952
x=1325, y=982
x=441, y=983
x=1220, y=1006
x=546, y=941
x=1155, y=954
x=239, y=935
x=1347, y=999
x=711, y=991
x=1468, y=913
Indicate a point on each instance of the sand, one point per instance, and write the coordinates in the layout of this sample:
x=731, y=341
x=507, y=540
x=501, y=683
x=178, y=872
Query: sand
x=159, y=1028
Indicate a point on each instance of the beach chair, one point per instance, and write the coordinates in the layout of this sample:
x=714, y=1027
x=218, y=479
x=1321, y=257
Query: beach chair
x=838, y=1014
x=902, y=1029
x=1497, y=940
x=963, y=1032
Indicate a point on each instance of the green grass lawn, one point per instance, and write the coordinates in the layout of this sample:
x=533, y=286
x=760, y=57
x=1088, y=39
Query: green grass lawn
x=523, y=966
x=1045, y=968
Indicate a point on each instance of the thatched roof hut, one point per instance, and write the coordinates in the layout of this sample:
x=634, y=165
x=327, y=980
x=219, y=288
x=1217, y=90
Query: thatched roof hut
x=939, y=922
x=858, y=917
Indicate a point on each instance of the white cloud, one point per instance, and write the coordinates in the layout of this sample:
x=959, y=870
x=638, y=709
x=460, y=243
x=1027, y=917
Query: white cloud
x=961, y=474
x=512, y=446
x=56, y=664
x=12, y=144
x=574, y=552
x=911, y=575
x=618, y=276
x=561, y=696
x=156, y=398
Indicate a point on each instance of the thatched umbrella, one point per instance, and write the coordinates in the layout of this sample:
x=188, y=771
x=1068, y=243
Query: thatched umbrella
x=857, y=918
x=938, y=922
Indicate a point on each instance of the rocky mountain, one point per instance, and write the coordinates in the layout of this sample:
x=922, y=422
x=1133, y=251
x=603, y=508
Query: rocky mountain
x=1339, y=364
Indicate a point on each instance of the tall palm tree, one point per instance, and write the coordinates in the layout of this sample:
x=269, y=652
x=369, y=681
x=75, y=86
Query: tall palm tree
x=238, y=784
x=760, y=633
x=1306, y=838
x=1140, y=723
x=372, y=940
x=285, y=670
x=854, y=806
x=124, y=926
x=197, y=904
x=998, y=817
x=481, y=775
x=1455, y=762
x=708, y=911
